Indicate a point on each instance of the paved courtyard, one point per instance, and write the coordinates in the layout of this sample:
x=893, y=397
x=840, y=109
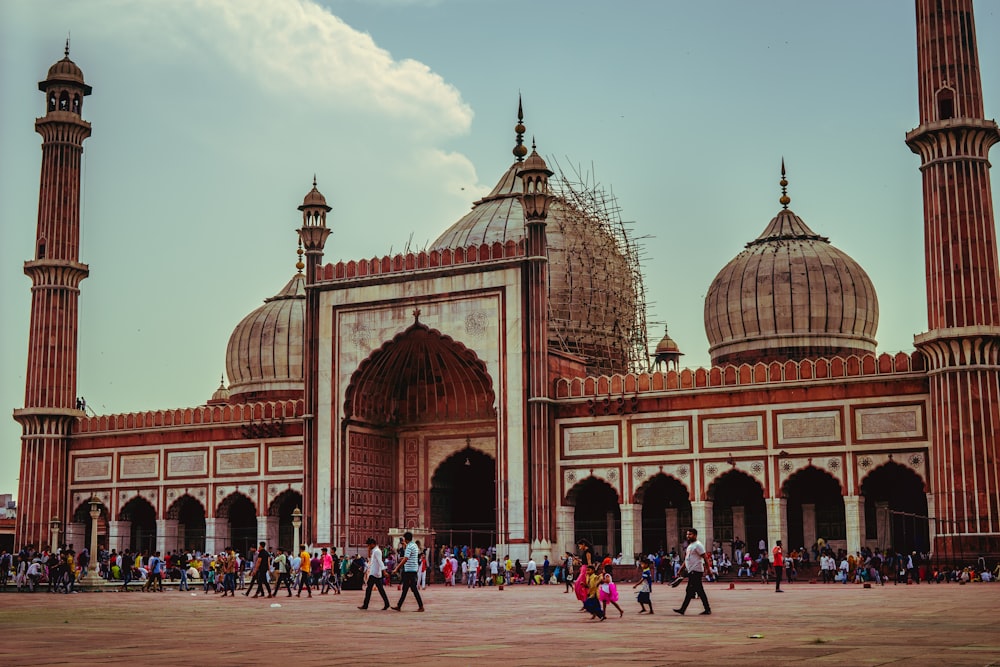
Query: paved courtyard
x=835, y=624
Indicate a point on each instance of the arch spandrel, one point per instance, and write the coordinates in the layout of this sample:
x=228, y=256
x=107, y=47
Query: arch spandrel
x=717, y=472
x=575, y=477
x=866, y=464
x=174, y=509
x=644, y=476
x=833, y=465
x=83, y=498
x=226, y=502
x=439, y=451
x=276, y=494
x=151, y=496
x=197, y=493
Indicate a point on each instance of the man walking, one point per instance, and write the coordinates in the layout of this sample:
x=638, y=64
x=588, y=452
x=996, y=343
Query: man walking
x=261, y=566
x=409, y=562
x=778, y=557
x=374, y=571
x=305, y=567
x=696, y=564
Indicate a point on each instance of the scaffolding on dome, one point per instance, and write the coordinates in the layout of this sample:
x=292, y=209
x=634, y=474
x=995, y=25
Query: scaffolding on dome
x=600, y=314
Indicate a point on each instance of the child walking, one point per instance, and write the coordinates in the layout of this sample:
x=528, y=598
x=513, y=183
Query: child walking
x=591, y=602
x=645, y=585
x=608, y=594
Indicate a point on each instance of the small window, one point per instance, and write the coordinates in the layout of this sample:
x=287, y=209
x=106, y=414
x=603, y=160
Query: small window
x=946, y=104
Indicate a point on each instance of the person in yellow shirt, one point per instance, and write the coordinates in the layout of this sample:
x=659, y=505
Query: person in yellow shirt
x=304, y=569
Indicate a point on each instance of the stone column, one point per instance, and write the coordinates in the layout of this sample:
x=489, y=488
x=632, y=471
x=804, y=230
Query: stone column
x=931, y=523
x=263, y=523
x=854, y=512
x=271, y=530
x=166, y=535
x=704, y=521
x=119, y=535
x=216, y=534
x=565, y=516
x=631, y=531
x=777, y=523
x=611, y=533
x=883, y=526
x=673, y=530
x=808, y=526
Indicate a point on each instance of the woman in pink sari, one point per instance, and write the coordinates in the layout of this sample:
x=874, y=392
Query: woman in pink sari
x=584, y=559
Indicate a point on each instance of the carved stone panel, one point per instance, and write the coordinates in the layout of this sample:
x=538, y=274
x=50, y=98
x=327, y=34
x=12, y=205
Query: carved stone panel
x=92, y=469
x=139, y=466
x=889, y=423
x=729, y=432
x=662, y=437
x=187, y=464
x=809, y=427
x=232, y=461
x=588, y=440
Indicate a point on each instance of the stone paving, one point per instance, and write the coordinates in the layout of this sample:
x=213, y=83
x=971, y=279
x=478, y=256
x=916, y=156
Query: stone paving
x=929, y=624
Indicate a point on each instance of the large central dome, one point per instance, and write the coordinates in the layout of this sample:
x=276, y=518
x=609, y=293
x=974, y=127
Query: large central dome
x=592, y=289
x=790, y=295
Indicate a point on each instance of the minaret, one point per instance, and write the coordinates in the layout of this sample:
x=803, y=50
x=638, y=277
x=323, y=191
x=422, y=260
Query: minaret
x=535, y=201
x=962, y=344
x=312, y=236
x=50, y=402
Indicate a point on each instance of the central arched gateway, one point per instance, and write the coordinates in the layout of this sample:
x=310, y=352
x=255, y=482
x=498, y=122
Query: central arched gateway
x=421, y=433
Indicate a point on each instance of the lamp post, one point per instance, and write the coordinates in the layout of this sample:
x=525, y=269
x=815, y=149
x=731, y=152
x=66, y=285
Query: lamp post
x=93, y=574
x=55, y=527
x=296, y=527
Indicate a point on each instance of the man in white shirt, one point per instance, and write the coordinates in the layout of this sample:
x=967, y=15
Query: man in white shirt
x=696, y=563
x=531, y=570
x=374, y=570
x=473, y=571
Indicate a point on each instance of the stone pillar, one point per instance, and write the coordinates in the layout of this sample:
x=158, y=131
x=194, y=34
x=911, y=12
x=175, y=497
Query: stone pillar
x=565, y=516
x=673, y=530
x=611, y=533
x=777, y=523
x=808, y=526
x=854, y=512
x=739, y=526
x=166, y=535
x=631, y=531
x=931, y=523
x=263, y=524
x=119, y=535
x=704, y=521
x=216, y=534
x=271, y=530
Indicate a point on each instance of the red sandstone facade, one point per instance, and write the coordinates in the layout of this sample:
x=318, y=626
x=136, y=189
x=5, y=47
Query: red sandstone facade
x=432, y=392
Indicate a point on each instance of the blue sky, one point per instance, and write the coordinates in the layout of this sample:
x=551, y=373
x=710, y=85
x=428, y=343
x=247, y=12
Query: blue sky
x=211, y=117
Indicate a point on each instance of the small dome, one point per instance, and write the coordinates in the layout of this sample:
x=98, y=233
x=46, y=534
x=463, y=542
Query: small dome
x=314, y=198
x=535, y=161
x=264, y=356
x=667, y=346
x=65, y=70
x=221, y=395
x=790, y=295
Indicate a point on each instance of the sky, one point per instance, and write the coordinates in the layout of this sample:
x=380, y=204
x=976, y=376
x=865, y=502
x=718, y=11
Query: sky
x=211, y=117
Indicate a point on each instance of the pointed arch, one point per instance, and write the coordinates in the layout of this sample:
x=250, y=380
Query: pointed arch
x=666, y=507
x=189, y=513
x=420, y=376
x=464, y=499
x=821, y=491
x=597, y=514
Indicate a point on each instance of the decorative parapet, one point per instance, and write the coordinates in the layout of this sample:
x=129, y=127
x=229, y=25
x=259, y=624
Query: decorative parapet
x=738, y=376
x=435, y=259
x=219, y=415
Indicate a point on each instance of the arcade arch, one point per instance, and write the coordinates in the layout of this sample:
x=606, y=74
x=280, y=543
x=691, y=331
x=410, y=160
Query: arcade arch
x=281, y=508
x=666, y=511
x=242, y=515
x=896, y=509
x=596, y=515
x=738, y=510
x=189, y=514
x=463, y=500
x=82, y=517
x=141, y=516
x=814, y=508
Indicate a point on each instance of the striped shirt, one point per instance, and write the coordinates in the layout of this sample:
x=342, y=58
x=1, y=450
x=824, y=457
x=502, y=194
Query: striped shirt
x=412, y=555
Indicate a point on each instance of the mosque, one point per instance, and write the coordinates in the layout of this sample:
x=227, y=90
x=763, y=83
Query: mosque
x=496, y=388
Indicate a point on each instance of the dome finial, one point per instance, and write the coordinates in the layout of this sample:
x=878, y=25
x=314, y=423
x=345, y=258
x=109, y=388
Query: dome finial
x=298, y=264
x=314, y=180
x=519, y=150
x=67, y=44
x=785, y=199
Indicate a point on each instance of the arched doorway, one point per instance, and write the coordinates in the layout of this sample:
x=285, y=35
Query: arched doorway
x=666, y=511
x=190, y=517
x=242, y=517
x=419, y=382
x=896, y=509
x=142, y=529
x=597, y=516
x=737, y=496
x=463, y=500
x=282, y=508
x=821, y=490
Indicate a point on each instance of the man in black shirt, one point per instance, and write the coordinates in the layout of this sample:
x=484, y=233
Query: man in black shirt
x=261, y=565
